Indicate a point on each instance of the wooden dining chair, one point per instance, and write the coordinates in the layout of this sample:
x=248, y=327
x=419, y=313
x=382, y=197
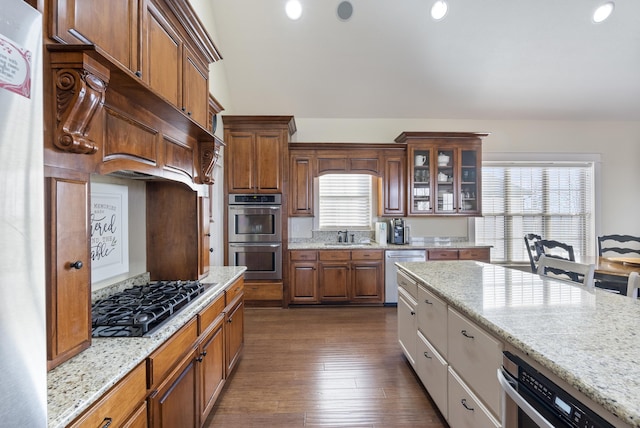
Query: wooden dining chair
x=556, y=249
x=566, y=270
x=530, y=240
x=633, y=285
x=619, y=246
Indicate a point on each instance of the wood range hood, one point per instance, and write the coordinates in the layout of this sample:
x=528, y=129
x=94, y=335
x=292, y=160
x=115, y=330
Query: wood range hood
x=106, y=112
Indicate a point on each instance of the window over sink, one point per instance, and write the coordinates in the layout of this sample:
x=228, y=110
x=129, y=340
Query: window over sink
x=345, y=200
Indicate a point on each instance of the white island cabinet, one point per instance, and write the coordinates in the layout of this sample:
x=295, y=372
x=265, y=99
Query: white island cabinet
x=469, y=313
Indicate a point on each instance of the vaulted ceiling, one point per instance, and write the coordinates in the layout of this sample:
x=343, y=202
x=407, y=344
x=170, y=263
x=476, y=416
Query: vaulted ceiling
x=488, y=59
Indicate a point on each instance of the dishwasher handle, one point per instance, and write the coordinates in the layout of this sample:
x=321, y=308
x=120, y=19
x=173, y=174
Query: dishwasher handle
x=507, y=383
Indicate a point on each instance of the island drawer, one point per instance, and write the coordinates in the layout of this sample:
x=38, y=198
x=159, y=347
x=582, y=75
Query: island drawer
x=442, y=254
x=479, y=254
x=408, y=284
x=116, y=405
x=431, y=368
x=465, y=409
x=432, y=319
x=476, y=356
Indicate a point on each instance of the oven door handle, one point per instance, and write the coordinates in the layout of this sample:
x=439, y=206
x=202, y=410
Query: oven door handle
x=508, y=388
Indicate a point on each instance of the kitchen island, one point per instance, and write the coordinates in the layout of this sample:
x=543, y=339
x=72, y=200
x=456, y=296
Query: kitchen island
x=586, y=338
x=78, y=383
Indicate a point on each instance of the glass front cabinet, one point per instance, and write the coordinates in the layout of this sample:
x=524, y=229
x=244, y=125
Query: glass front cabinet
x=444, y=173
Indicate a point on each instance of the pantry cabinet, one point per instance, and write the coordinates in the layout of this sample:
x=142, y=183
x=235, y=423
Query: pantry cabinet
x=444, y=173
x=257, y=153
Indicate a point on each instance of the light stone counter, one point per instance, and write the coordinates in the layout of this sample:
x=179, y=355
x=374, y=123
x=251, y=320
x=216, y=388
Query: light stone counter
x=589, y=339
x=320, y=245
x=74, y=385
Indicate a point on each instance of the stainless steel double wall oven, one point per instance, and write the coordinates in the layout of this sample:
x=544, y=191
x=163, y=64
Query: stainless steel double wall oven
x=255, y=235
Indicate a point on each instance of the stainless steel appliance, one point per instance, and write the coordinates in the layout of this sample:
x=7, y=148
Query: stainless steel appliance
x=138, y=310
x=23, y=350
x=531, y=400
x=255, y=235
x=391, y=271
x=398, y=233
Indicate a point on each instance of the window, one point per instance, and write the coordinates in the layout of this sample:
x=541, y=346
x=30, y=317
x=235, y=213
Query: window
x=553, y=200
x=345, y=201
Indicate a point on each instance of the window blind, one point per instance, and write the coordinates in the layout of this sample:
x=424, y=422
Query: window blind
x=553, y=200
x=345, y=200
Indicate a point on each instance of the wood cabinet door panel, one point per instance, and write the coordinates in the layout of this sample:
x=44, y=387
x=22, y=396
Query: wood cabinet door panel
x=116, y=30
x=335, y=164
x=212, y=368
x=174, y=403
x=68, y=288
x=479, y=254
x=195, y=89
x=234, y=333
x=269, y=161
x=125, y=138
x=392, y=187
x=367, y=282
x=162, y=56
x=442, y=254
x=164, y=358
x=301, y=186
x=365, y=165
x=304, y=282
x=240, y=161
x=334, y=282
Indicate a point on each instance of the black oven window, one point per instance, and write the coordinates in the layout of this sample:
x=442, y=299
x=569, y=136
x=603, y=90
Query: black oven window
x=249, y=224
x=257, y=261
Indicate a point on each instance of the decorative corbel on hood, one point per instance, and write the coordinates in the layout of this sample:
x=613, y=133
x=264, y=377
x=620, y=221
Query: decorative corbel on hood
x=209, y=154
x=80, y=86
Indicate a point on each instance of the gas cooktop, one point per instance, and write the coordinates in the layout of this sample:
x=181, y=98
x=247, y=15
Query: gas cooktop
x=136, y=311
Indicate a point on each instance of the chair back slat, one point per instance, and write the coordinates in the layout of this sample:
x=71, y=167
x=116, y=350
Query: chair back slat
x=530, y=240
x=566, y=269
x=618, y=245
x=556, y=249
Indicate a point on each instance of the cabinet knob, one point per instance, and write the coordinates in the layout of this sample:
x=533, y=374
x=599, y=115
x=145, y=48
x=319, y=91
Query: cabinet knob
x=183, y=109
x=106, y=423
x=207, y=234
x=211, y=250
x=76, y=265
x=188, y=113
x=199, y=359
x=413, y=312
x=138, y=73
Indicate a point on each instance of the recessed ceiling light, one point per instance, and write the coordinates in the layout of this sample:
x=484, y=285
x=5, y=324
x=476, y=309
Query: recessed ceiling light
x=603, y=11
x=293, y=9
x=439, y=10
x=345, y=10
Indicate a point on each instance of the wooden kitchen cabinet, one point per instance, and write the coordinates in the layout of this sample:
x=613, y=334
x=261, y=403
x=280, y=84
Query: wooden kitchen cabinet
x=257, y=153
x=177, y=229
x=124, y=405
x=301, y=175
x=391, y=189
x=234, y=326
x=354, y=277
x=212, y=373
x=444, y=172
x=263, y=293
x=349, y=162
x=68, y=274
x=478, y=254
x=303, y=277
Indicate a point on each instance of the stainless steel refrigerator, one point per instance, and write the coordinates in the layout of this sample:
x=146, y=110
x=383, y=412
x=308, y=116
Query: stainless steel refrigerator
x=23, y=369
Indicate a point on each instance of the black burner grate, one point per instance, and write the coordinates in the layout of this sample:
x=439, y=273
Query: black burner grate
x=138, y=310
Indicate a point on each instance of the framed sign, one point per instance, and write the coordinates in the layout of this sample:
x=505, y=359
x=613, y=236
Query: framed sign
x=109, y=231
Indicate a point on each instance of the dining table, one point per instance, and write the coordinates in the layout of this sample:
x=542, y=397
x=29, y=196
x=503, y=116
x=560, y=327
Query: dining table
x=613, y=272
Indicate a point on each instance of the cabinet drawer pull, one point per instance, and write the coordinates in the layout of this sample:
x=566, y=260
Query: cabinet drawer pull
x=413, y=312
x=426, y=355
x=465, y=334
x=428, y=302
x=106, y=422
x=464, y=403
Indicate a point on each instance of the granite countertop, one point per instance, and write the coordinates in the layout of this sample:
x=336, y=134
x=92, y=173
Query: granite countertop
x=582, y=336
x=419, y=245
x=75, y=384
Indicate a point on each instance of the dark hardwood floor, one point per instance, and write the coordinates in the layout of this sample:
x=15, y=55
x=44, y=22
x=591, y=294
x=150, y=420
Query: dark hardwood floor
x=323, y=367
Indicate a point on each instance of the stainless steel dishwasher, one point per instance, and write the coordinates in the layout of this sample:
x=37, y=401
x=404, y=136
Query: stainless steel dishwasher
x=390, y=269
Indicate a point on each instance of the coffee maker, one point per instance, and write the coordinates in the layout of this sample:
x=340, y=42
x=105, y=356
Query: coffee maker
x=396, y=231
